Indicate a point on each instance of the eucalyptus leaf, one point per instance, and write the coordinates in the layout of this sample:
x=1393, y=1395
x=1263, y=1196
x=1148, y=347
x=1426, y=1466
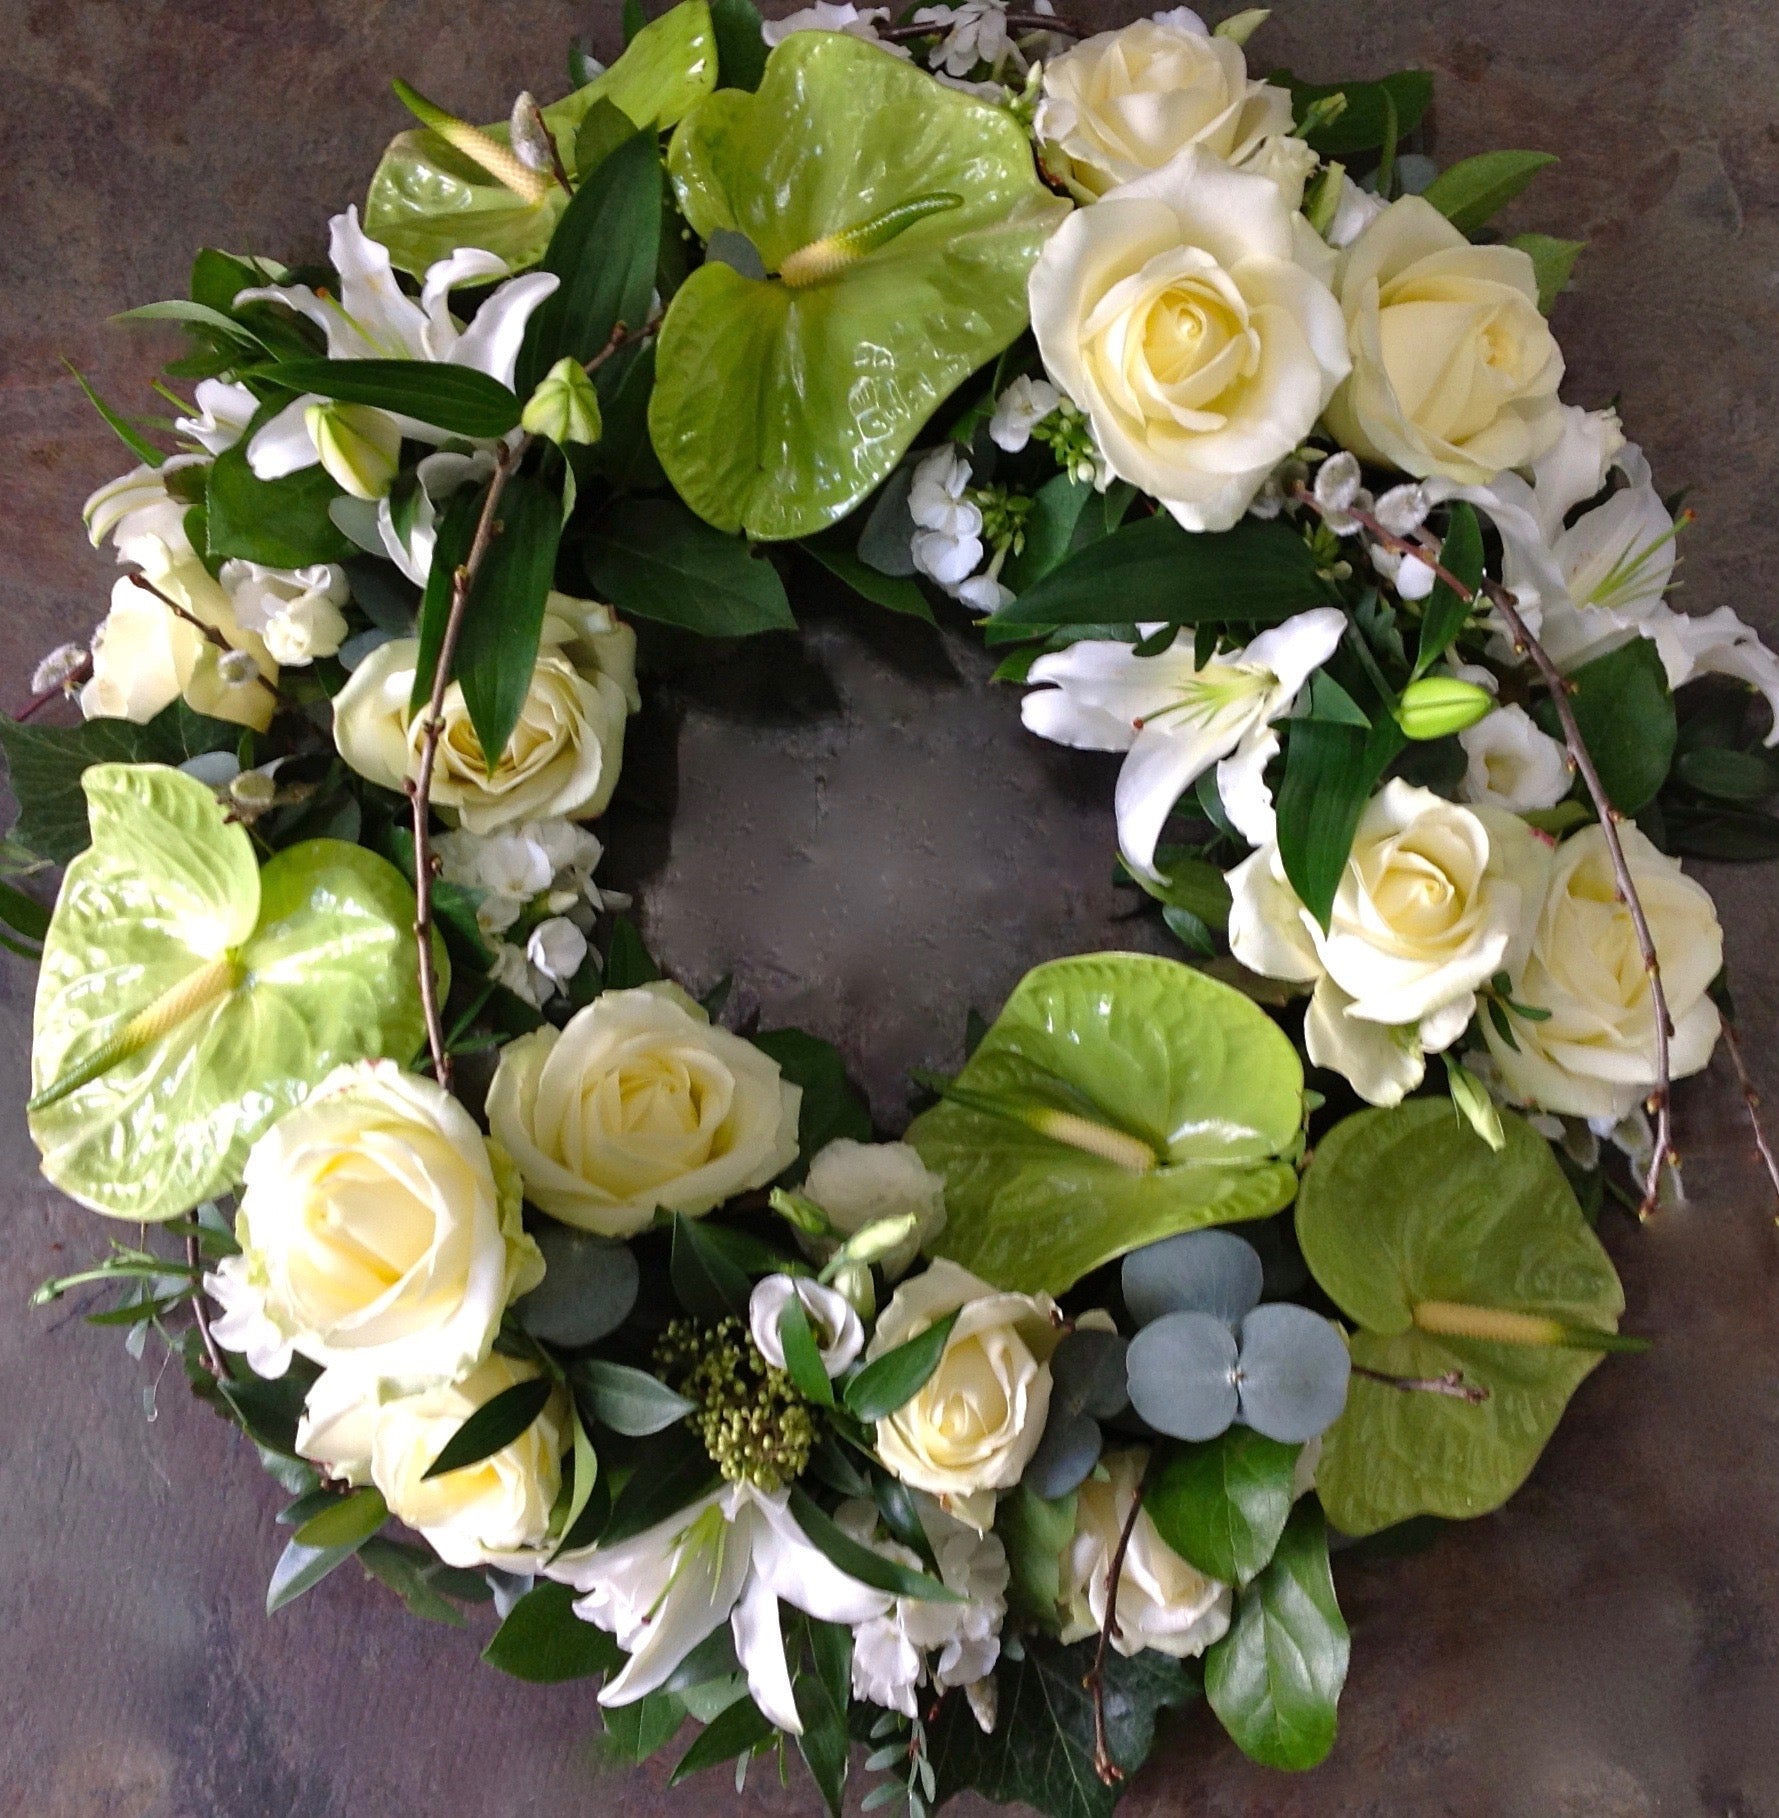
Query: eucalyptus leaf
x=1291, y=1378
x=1156, y=1050
x=1410, y=1206
x=626, y=1399
x=588, y=1289
x=1212, y=1272
x=298, y=968
x=1087, y=1373
x=778, y=407
x=544, y=1642
x=1223, y=1505
x=1065, y=1456
x=1182, y=1375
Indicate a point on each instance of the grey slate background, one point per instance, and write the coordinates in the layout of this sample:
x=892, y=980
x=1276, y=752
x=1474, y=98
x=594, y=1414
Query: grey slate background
x=870, y=843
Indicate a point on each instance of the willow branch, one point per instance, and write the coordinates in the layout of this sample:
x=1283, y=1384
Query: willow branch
x=1751, y=1099
x=75, y=677
x=1452, y=1383
x=200, y=1312
x=1660, y=1101
x=209, y=633
x=1109, y=1771
x=420, y=784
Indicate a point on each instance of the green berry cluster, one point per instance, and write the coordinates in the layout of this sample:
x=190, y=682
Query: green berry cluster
x=755, y=1426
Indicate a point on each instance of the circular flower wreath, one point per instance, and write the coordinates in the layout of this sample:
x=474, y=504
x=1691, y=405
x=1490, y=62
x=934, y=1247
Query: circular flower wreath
x=986, y=1445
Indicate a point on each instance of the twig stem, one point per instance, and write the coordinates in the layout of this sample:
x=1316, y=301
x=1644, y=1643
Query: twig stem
x=200, y=1312
x=63, y=688
x=1109, y=1771
x=420, y=784
x=1425, y=550
x=1452, y=1383
x=1751, y=1098
x=208, y=632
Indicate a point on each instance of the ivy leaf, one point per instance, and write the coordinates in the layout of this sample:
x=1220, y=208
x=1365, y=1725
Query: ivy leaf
x=894, y=593
x=1041, y=1750
x=652, y=559
x=281, y=523
x=544, y=1642
x=1222, y=1506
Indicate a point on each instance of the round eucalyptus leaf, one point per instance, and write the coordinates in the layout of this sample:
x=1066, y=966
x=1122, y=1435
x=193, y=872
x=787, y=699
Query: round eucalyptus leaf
x=1068, y=1451
x=1193, y=1272
x=1292, y=1375
x=588, y=1289
x=1182, y=1375
x=1087, y=1374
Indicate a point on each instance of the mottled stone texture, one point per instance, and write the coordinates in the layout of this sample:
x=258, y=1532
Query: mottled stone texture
x=864, y=836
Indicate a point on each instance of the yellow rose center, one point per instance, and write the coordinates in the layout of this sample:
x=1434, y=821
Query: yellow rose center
x=368, y=1221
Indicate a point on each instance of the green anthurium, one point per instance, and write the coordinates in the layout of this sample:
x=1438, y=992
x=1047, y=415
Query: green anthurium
x=427, y=199
x=1468, y=1271
x=1117, y=1099
x=188, y=998
x=897, y=220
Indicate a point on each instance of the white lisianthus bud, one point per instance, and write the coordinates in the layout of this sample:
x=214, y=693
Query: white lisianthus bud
x=860, y=1185
x=564, y=408
x=532, y=145
x=1512, y=763
x=557, y=948
x=854, y=1281
x=839, y=1335
x=359, y=447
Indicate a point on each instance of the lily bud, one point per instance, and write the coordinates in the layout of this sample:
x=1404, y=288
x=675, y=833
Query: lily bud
x=359, y=447
x=1238, y=28
x=565, y=407
x=1438, y=705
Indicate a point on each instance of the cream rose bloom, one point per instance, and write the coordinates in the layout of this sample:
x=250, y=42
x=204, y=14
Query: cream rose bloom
x=1435, y=900
x=1455, y=371
x=1594, y=1056
x=379, y=1230
x=1122, y=103
x=1163, y=1603
x=494, y=1512
x=973, y=1426
x=1176, y=315
x=565, y=751
x=640, y=1105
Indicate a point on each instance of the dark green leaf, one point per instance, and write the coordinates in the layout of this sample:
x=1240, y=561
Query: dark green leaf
x=678, y=1472
x=1446, y=610
x=626, y=1399
x=456, y=398
x=604, y=127
x=588, y=1289
x=267, y=1408
x=1035, y=1534
x=1553, y=261
x=347, y=1521
x=45, y=763
x=1222, y=1506
x=627, y=960
x=1328, y=780
x=451, y=547
x=708, y=1285
x=1366, y=119
x=802, y=1356
x=494, y=1425
x=823, y=1692
x=604, y=250
x=407, y=1572
x=23, y=914
x=713, y=1658
x=1626, y=715
x=1050, y=531
x=1470, y=192
x=741, y=51
x=895, y=593
x=1041, y=1750
x=1731, y=776
x=653, y=559
x=831, y=1107
x=301, y=1569
x=633, y=1732
x=861, y=1562
x=1258, y=573
x=281, y=523
x=543, y=1641
x=1730, y=835
x=898, y=1375
x=1275, y=1678
x=733, y=1731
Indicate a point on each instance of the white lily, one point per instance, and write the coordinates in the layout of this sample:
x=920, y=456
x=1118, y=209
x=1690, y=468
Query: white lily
x=373, y=318
x=1176, y=720
x=409, y=541
x=733, y=1557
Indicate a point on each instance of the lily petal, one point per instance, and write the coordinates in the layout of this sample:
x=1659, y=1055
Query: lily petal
x=388, y=320
x=1241, y=783
x=491, y=342
x=1294, y=650
x=283, y=444
x=1167, y=756
x=802, y=1575
x=759, y=1646
x=467, y=265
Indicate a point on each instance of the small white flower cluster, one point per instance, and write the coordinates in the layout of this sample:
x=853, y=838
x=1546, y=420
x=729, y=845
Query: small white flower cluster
x=825, y=16
x=539, y=874
x=947, y=543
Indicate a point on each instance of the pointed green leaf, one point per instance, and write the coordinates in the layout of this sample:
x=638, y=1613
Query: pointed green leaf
x=732, y=1732
x=1222, y=1506
x=894, y=1379
x=457, y=398
x=802, y=1356
x=282, y=523
x=408, y=1572
x=323, y=973
x=894, y=593
x=777, y=408
x=301, y=1569
x=652, y=559
x=831, y=1104
x=543, y=1641
x=1553, y=262
x=1625, y=711
x=709, y=1286
x=493, y=1427
x=1469, y=193
x=626, y=1399
x=1443, y=616
x=347, y=1521
x=1153, y=1049
x=859, y=1561
x=1373, y=109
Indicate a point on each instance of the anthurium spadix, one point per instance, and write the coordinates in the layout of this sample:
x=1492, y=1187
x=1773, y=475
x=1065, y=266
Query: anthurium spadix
x=734, y=1557
x=896, y=222
x=188, y=998
x=1176, y=719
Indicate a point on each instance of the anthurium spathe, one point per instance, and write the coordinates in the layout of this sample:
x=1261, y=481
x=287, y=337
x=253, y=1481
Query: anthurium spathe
x=1177, y=718
x=733, y=1557
x=896, y=221
x=373, y=318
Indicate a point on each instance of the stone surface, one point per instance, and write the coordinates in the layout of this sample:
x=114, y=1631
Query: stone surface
x=865, y=838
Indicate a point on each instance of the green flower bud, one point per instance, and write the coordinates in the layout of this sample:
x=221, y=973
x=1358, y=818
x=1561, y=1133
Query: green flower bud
x=853, y=1279
x=1238, y=28
x=565, y=407
x=1438, y=705
x=801, y=1212
x=359, y=447
x=872, y=1242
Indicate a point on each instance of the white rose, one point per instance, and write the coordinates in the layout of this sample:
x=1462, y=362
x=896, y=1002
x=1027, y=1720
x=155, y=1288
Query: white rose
x=296, y=611
x=1163, y=1603
x=1594, y=1056
x=859, y=1184
x=1122, y=103
x=378, y=1230
x=1512, y=764
x=1435, y=900
x=974, y=1424
x=482, y=1514
x=839, y=1333
x=1174, y=313
x=564, y=754
x=640, y=1105
x=1454, y=370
